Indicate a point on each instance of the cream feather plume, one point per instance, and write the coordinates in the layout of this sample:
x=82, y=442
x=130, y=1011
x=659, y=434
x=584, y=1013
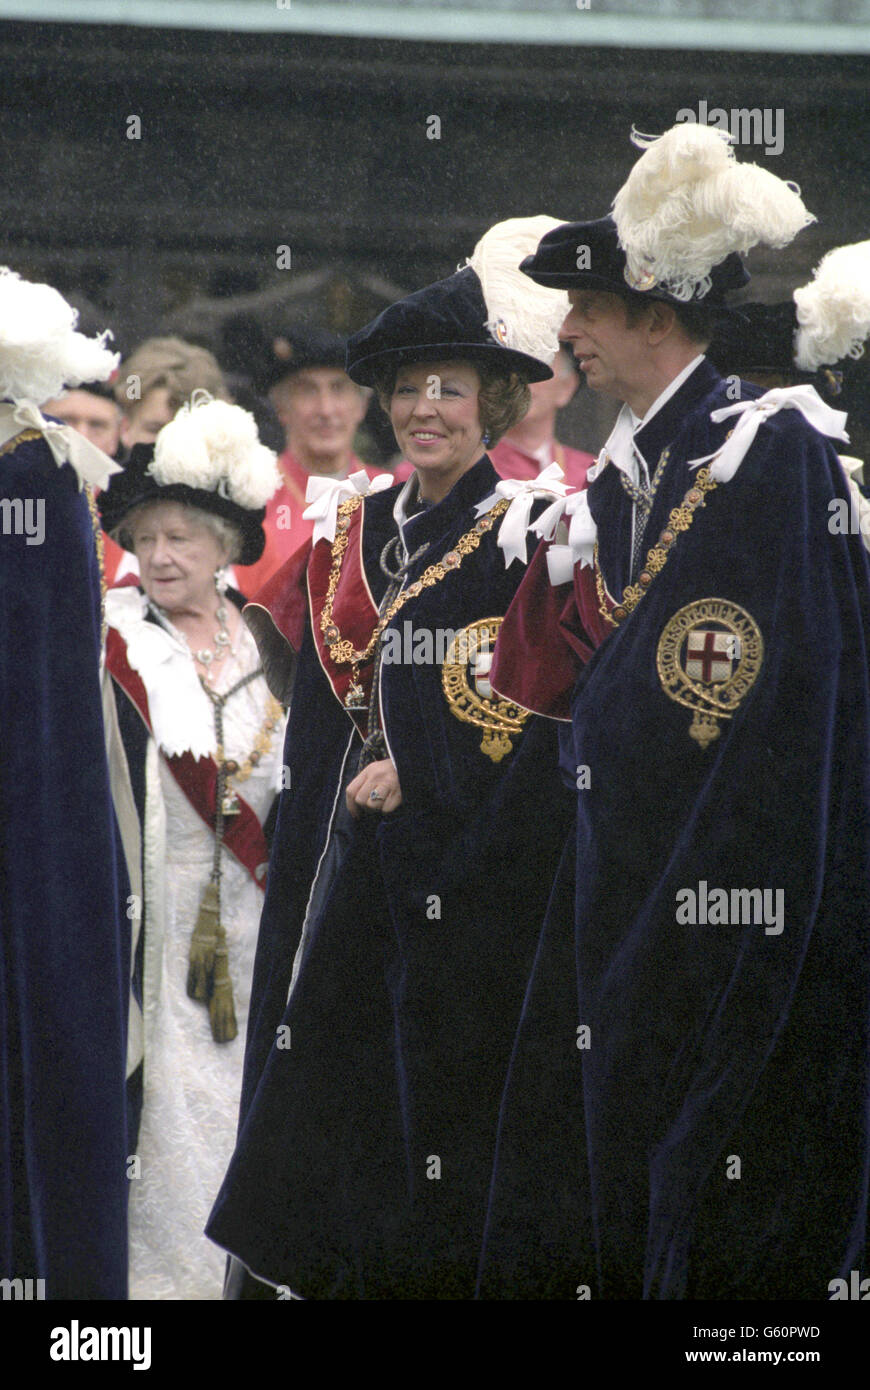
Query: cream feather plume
x=40, y=350
x=214, y=445
x=833, y=310
x=521, y=314
x=687, y=204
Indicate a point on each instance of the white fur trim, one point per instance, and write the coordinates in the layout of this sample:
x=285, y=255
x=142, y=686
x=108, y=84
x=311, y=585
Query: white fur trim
x=687, y=204
x=40, y=350
x=522, y=315
x=181, y=713
x=833, y=310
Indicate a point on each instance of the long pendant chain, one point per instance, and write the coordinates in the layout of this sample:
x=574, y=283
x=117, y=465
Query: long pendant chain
x=227, y=801
x=342, y=651
x=643, y=498
x=680, y=519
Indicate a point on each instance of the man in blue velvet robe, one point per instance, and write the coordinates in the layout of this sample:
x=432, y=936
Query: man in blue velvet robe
x=64, y=933
x=687, y=1113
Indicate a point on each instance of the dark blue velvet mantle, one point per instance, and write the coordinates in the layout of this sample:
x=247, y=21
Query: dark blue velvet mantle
x=64, y=934
x=707, y=1041
x=401, y=1024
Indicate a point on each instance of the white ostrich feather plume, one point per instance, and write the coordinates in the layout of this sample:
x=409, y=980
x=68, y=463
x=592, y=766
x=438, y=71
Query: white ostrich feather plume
x=214, y=445
x=687, y=204
x=833, y=310
x=522, y=315
x=40, y=350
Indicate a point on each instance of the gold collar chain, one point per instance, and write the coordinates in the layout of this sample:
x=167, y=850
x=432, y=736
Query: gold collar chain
x=679, y=520
x=341, y=650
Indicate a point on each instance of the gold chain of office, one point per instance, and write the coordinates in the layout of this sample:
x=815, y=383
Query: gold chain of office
x=680, y=519
x=343, y=651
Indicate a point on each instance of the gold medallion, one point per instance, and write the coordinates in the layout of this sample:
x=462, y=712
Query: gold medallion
x=639, y=280
x=465, y=679
x=709, y=656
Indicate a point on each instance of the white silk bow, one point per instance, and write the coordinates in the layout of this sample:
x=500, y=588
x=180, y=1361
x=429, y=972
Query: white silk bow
x=550, y=482
x=582, y=533
x=66, y=444
x=323, y=496
x=752, y=415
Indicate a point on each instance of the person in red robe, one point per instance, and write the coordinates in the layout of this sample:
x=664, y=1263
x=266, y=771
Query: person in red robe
x=320, y=409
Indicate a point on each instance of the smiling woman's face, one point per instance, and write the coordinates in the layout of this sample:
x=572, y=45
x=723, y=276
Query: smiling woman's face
x=434, y=410
x=178, y=554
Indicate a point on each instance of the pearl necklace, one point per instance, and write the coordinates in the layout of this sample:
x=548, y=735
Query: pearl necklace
x=205, y=656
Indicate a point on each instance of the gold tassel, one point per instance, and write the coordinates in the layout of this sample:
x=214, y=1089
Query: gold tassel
x=203, y=945
x=221, y=1008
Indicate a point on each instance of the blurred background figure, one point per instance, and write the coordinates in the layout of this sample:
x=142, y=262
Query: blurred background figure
x=203, y=739
x=92, y=410
x=156, y=380
x=532, y=444
x=320, y=410
x=64, y=933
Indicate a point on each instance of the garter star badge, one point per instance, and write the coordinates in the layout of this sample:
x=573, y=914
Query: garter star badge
x=465, y=680
x=709, y=656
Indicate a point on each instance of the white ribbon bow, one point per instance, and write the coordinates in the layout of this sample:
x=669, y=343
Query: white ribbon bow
x=550, y=482
x=66, y=444
x=752, y=415
x=323, y=496
x=581, y=537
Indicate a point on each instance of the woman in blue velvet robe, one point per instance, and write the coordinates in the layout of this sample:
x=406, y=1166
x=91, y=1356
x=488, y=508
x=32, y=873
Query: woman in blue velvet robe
x=370, y=1096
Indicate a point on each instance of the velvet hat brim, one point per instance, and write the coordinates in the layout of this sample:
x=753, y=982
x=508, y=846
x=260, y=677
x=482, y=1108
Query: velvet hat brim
x=444, y=322
x=602, y=266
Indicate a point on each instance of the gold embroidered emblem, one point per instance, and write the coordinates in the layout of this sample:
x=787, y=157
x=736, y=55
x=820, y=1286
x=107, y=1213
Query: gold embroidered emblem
x=709, y=656
x=465, y=680
x=639, y=280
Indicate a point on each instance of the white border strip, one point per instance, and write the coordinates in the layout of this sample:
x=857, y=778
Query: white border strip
x=429, y=24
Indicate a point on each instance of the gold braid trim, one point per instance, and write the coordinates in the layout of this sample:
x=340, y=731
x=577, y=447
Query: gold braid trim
x=23, y=438
x=680, y=519
x=343, y=651
x=99, y=546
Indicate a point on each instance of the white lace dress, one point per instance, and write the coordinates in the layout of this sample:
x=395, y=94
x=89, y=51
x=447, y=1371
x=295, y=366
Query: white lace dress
x=191, y=1083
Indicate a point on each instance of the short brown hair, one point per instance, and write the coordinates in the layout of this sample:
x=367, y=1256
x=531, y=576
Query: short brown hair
x=171, y=363
x=503, y=398
x=698, y=321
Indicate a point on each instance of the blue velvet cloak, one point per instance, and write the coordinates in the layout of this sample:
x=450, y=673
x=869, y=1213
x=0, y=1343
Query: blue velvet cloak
x=708, y=1042
x=64, y=933
x=400, y=1020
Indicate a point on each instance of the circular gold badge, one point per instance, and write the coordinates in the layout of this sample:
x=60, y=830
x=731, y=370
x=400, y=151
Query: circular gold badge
x=465, y=680
x=640, y=280
x=709, y=656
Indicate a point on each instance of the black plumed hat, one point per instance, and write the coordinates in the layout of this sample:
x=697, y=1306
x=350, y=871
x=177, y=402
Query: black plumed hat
x=209, y=456
x=486, y=312
x=136, y=486
x=444, y=321
x=587, y=255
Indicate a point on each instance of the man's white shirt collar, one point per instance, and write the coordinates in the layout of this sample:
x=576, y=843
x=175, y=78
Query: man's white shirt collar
x=620, y=446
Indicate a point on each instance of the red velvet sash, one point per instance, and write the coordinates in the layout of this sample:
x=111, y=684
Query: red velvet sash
x=353, y=611
x=197, y=778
